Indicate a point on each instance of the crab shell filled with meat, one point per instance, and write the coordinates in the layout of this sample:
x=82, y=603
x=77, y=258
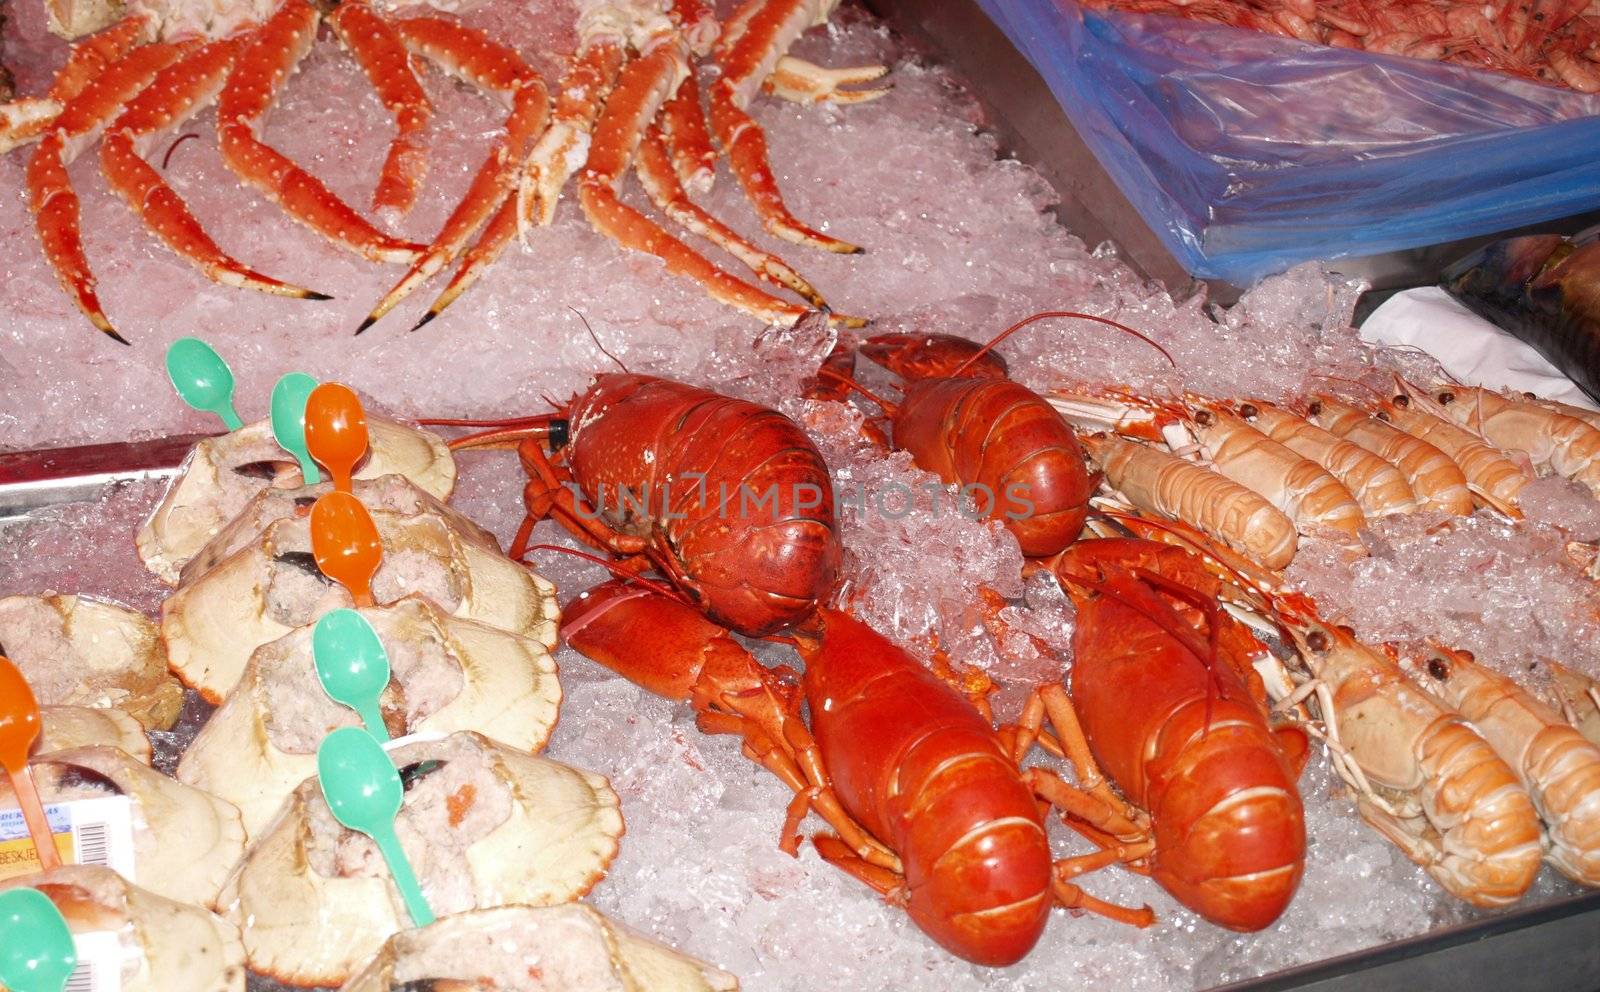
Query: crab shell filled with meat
x=558, y=947
x=482, y=824
x=78, y=651
x=271, y=585
x=221, y=474
x=185, y=842
x=170, y=946
x=63, y=728
x=448, y=675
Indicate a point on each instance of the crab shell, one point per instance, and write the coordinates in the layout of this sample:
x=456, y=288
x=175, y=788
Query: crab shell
x=210, y=489
x=571, y=947
x=392, y=493
x=185, y=842
x=509, y=692
x=212, y=625
x=306, y=928
x=79, y=651
x=178, y=947
x=66, y=727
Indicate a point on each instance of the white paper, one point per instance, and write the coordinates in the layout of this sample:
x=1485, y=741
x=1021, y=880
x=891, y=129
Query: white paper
x=1469, y=347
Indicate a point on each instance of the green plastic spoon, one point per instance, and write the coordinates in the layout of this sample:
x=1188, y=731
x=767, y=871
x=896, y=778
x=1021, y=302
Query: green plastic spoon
x=363, y=790
x=202, y=379
x=352, y=665
x=36, y=949
x=289, y=421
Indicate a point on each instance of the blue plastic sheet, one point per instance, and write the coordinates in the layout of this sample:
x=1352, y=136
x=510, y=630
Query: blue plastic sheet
x=1248, y=153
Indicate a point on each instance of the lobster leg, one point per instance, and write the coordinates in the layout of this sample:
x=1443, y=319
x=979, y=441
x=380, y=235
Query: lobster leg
x=641, y=89
x=1051, y=702
x=269, y=56
x=798, y=765
x=548, y=488
x=490, y=66
x=175, y=95
x=887, y=883
x=1072, y=897
x=55, y=205
x=382, y=56
x=24, y=120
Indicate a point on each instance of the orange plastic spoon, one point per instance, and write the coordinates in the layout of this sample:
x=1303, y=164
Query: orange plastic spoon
x=345, y=543
x=19, y=728
x=336, y=431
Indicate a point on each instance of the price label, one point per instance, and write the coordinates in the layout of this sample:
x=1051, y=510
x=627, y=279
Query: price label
x=95, y=831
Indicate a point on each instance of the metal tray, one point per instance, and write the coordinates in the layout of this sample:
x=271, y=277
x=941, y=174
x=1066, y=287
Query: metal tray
x=1032, y=126
x=1551, y=947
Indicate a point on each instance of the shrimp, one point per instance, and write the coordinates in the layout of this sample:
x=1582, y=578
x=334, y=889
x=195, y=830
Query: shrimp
x=1377, y=486
x=1438, y=482
x=1553, y=441
x=1491, y=476
x=1423, y=778
x=1555, y=763
x=1297, y=486
x=1163, y=483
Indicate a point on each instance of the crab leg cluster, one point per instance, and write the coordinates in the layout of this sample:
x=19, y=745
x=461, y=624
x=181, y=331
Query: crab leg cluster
x=628, y=100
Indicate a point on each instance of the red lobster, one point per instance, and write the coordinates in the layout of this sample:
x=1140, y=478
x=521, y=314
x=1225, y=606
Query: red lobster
x=1173, y=712
x=728, y=499
x=964, y=421
x=896, y=750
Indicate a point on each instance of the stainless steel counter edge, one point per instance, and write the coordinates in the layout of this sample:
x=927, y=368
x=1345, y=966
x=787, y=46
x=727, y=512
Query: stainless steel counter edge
x=33, y=480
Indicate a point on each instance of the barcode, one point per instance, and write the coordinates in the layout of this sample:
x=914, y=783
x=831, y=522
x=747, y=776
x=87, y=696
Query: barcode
x=82, y=979
x=93, y=848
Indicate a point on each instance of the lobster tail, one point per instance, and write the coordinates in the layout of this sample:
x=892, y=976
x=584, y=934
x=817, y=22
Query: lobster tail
x=1229, y=827
x=915, y=763
x=987, y=908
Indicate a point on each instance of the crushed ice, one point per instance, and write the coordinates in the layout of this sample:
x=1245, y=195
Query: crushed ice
x=958, y=241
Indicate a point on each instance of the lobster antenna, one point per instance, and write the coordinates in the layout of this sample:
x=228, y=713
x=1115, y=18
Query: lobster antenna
x=1354, y=382
x=596, y=339
x=614, y=569
x=846, y=381
x=1024, y=322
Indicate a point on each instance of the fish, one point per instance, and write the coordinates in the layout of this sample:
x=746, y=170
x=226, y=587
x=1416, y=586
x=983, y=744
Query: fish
x=1544, y=289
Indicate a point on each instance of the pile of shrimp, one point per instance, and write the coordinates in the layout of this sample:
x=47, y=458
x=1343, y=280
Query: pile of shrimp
x=1551, y=41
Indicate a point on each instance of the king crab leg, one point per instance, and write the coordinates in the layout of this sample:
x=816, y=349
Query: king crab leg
x=645, y=85
x=555, y=156
x=758, y=37
x=654, y=168
x=683, y=127
x=270, y=54
x=173, y=96
x=472, y=56
x=24, y=120
x=799, y=81
x=382, y=55
x=584, y=89
x=54, y=202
